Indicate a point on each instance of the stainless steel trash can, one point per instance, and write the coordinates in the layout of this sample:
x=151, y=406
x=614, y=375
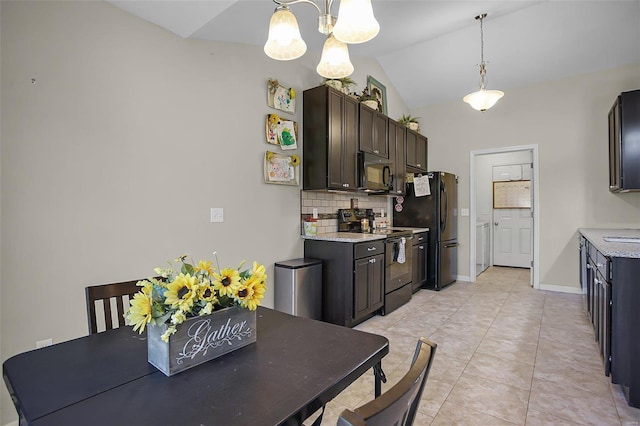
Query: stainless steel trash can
x=298, y=287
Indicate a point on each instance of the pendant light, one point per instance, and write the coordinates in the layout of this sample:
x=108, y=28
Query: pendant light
x=355, y=24
x=285, y=42
x=335, y=62
x=483, y=99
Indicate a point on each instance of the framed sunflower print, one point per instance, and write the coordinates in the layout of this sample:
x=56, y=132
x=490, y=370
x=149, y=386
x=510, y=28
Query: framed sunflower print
x=281, y=168
x=378, y=90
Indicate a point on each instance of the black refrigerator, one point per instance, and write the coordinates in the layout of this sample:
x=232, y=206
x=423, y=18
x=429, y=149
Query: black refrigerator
x=438, y=212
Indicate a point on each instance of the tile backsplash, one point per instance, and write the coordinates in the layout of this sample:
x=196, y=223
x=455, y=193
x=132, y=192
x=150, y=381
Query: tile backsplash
x=328, y=204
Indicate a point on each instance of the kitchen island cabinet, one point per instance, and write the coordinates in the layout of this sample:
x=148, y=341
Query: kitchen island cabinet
x=609, y=271
x=330, y=135
x=352, y=279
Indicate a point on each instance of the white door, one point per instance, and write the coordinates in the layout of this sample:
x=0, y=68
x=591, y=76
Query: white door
x=512, y=237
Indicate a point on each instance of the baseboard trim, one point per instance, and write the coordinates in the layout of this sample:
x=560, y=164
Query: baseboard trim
x=561, y=288
x=463, y=278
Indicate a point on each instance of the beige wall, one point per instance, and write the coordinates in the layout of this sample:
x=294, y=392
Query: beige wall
x=567, y=119
x=112, y=160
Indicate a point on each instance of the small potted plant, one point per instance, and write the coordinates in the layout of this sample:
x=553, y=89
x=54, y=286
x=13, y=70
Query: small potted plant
x=343, y=84
x=410, y=122
x=368, y=99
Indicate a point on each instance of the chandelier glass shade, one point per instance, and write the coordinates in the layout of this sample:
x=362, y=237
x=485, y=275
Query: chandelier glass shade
x=355, y=24
x=483, y=99
x=285, y=42
x=335, y=62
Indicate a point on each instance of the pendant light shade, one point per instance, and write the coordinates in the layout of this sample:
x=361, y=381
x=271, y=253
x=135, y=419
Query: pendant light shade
x=356, y=23
x=285, y=42
x=335, y=62
x=483, y=99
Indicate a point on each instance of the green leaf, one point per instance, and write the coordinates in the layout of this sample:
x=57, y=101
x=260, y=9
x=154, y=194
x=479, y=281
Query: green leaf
x=187, y=269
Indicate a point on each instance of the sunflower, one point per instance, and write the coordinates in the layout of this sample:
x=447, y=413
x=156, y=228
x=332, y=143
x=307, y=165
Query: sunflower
x=204, y=266
x=206, y=292
x=295, y=160
x=139, y=314
x=269, y=155
x=292, y=93
x=227, y=282
x=181, y=292
x=247, y=295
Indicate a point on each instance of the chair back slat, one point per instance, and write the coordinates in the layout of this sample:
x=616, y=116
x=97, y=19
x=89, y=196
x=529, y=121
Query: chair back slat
x=105, y=293
x=398, y=405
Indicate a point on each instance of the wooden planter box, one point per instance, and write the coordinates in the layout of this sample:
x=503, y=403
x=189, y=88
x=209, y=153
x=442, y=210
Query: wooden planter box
x=200, y=339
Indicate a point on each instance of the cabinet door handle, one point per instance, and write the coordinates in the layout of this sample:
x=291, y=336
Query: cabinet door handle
x=599, y=265
x=345, y=185
x=372, y=261
x=419, y=165
x=588, y=266
x=371, y=249
x=375, y=151
x=597, y=281
x=421, y=247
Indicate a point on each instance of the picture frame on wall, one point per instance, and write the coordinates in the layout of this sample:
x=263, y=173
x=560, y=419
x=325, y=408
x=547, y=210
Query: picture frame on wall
x=379, y=91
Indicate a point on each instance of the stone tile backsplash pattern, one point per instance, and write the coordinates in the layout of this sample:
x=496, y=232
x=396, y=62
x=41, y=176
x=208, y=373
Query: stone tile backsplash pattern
x=328, y=204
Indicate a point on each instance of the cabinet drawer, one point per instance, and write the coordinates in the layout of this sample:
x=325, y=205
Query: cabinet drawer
x=368, y=249
x=420, y=238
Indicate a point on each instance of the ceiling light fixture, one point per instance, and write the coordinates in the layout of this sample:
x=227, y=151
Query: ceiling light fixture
x=355, y=24
x=483, y=99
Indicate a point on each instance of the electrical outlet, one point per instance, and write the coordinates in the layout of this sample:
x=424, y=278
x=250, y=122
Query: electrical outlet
x=44, y=343
x=217, y=215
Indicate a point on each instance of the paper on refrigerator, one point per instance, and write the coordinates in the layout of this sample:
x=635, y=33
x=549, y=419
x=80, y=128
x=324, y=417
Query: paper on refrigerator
x=421, y=186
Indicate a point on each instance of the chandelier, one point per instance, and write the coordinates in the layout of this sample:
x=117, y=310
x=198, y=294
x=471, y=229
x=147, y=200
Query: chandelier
x=483, y=99
x=355, y=24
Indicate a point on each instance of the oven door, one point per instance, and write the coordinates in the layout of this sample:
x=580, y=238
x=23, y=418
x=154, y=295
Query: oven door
x=397, y=274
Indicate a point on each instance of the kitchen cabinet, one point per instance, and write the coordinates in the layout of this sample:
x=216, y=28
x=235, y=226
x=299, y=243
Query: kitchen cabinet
x=330, y=135
x=419, y=258
x=373, y=132
x=352, y=279
x=397, y=155
x=609, y=281
x=416, y=152
x=624, y=143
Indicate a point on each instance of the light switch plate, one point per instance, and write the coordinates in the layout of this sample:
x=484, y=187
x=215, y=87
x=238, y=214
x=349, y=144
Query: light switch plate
x=217, y=215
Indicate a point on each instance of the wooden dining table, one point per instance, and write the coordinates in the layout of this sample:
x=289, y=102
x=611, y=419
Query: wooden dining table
x=296, y=366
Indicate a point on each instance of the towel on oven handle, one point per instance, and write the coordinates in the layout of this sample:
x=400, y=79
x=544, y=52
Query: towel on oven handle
x=401, y=248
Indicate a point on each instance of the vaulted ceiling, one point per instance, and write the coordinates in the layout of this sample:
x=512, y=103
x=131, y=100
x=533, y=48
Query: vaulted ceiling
x=430, y=50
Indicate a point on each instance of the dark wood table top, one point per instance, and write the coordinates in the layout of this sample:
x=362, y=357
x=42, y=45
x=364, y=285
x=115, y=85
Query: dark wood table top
x=295, y=366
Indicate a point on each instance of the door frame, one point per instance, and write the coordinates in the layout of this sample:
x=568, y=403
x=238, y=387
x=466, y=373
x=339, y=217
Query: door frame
x=535, y=179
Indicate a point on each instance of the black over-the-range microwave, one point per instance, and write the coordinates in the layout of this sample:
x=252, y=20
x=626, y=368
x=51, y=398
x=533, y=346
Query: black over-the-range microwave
x=375, y=174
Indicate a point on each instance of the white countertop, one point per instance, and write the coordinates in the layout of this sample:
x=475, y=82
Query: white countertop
x=610, y=248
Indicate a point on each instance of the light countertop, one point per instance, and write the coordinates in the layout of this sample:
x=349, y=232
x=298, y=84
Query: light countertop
x=356, y=237
x=611, y=248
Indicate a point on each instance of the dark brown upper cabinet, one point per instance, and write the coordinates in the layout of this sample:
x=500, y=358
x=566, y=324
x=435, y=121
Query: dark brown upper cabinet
x=624, y=143
x=373, y=132
x=416, y=152
x=330, y=139
x=397, y=154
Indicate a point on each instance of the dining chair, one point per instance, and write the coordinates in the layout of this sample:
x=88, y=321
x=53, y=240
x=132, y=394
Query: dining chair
x=105, y=293
x=398, y=405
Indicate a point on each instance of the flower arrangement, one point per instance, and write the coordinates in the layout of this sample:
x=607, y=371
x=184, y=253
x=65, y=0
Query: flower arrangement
x=196, y=290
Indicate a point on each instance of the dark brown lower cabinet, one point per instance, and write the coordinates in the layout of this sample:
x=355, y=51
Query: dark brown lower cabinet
x=419, y=275
x=612, y=294
x=352, y=279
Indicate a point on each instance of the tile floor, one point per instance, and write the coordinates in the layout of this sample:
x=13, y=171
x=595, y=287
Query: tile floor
x=507, y=355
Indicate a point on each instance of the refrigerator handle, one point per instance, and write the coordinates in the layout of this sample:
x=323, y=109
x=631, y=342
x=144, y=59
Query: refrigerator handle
x=450, y=245
x=443, y=217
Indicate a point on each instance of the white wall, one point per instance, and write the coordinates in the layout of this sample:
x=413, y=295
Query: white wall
x=112, y=160
x=567, y=119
